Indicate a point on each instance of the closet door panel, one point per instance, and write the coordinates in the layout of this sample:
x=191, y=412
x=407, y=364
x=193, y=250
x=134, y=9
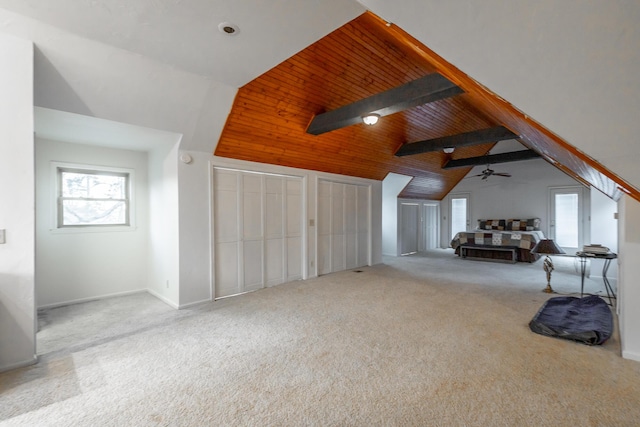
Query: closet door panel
x=351, y=226
x=323, y=223
x=226, y=260
x=226, y=233
x=253, y=274
x=363, y=210
x=274, y=267
x=294, y=258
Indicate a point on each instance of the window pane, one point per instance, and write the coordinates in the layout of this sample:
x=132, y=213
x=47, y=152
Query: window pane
x=92, y=212
x=567, y=220
x=458, y=216
x=76, y=184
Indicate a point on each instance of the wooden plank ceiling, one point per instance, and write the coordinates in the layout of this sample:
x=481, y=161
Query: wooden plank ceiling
x=270, y=115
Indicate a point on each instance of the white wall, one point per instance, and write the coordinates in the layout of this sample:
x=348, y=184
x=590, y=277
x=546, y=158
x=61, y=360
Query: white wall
x=195, y=229
x=75, y=265
x=392, y=185
x=524, y=195
x=629, y=272
x=603, y=221
x=604, y=231
x=17, y=217
x=164, y=235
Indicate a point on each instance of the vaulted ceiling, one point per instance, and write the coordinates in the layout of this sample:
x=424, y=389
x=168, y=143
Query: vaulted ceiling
x=271, y=114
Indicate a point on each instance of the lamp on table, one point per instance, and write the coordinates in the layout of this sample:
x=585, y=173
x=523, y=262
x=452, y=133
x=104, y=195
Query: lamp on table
x=547, y=247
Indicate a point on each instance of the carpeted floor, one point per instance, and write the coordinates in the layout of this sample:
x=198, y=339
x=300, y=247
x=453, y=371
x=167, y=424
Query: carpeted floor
x=427, y=340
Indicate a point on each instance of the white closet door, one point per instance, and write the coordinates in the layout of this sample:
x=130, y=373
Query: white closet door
x=252, y=234
x=343, y=226
x=363, y=226
x=274, y=230
x=257, y=231
x=337, y=227
x=324, y=227
x=227, y=233
x=410, y=223
x=294, y=224
x=351, y=226
x=430, y=226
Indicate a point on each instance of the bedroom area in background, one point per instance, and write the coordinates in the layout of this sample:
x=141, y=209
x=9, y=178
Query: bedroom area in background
x=566, y=210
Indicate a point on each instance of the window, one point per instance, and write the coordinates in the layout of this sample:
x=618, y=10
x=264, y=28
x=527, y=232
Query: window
x=93, y=197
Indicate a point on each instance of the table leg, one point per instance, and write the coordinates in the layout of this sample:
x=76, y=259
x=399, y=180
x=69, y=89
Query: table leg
x=607, y=286
x=583, y=268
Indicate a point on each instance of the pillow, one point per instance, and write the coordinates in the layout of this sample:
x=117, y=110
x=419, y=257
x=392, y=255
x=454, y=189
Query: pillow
x=523, y=224
x=491, y=224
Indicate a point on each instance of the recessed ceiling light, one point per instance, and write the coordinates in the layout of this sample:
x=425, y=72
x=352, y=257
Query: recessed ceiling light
x=448, y=150
x=228, y=28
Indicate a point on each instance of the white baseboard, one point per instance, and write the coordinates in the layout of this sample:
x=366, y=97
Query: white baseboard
x=191, y=304
x=17, y=365
x=631, y=355
x=99, y=297
x=164, y=299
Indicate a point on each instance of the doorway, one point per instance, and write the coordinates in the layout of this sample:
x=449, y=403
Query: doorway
x=568, y=210
x=418, y=226
x=410, y=228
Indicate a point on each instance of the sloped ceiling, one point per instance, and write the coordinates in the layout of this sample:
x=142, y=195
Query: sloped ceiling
x=184, y=33
x=366, y=56
x=581, y=65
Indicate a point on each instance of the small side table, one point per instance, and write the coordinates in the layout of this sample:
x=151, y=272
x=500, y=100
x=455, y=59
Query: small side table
x=583, y=257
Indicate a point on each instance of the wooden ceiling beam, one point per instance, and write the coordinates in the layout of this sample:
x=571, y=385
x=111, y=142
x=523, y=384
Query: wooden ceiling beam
x=492, y=159
x=429, y=88
x=482, y=136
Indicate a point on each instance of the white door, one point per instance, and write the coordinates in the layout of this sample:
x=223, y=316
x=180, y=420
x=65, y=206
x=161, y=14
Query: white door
x=459, y=214
x=363, y=212
x=257, y=230
x=566, y=224
x=227, y=241
x=430, y=226
x=409, y=228
x=293, y=221
x=343, y=226
x=252, y=232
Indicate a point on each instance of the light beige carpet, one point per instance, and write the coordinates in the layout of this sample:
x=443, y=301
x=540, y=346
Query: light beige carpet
x=425, y=341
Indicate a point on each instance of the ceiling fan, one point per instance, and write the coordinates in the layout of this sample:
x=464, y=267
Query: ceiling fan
x=490, y=172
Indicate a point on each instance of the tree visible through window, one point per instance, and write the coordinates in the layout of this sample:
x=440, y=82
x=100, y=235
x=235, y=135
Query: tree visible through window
x=91, y=197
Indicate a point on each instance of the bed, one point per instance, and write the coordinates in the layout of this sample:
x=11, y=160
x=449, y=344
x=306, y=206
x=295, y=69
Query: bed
x=508, y=240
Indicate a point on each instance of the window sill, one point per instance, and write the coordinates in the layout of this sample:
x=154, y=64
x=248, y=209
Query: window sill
x=94, y=229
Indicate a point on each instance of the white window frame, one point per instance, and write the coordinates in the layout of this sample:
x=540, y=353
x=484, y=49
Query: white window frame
x=56, y=221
